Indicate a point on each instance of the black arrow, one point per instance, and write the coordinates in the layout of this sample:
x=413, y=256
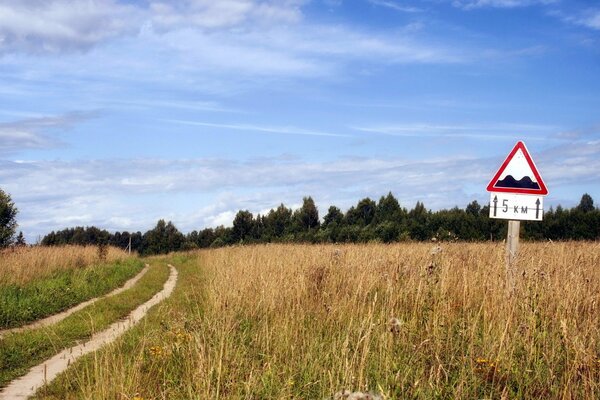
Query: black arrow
x=496, y=204
x=537, y=208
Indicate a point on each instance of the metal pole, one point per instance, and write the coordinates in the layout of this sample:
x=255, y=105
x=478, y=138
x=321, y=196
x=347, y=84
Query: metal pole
x=512, y=249
x=129, y=245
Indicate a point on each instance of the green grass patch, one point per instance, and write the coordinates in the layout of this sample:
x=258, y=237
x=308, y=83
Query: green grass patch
x=151, y=352
x=21, y=351
x=20, y=305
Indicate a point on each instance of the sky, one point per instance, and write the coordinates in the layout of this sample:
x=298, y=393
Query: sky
x=116, y=113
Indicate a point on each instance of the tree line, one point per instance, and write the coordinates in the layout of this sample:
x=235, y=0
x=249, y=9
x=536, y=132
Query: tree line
x=383, y=221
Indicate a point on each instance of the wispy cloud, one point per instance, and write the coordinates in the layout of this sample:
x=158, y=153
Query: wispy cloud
x=210, y=106
x=395, y=6
x=592, y=20
x=589, y=18
x=495, y=131
x=209, y=14
x=32, y=133
x=285, y=130
x=472, y=4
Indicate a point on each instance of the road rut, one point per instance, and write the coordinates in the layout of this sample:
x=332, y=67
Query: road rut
x=64, y=314
x=45, y=372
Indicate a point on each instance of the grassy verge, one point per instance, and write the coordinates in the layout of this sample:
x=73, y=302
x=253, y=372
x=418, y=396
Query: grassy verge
x=21, y=304
x=141, y=352
x=21, y=351
x=305, y=322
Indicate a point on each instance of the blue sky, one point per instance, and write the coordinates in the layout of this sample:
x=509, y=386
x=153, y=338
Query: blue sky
x=118, y=113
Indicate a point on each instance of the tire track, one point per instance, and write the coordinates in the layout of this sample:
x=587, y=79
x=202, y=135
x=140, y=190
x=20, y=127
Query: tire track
x=64, y=314
x=45, y=372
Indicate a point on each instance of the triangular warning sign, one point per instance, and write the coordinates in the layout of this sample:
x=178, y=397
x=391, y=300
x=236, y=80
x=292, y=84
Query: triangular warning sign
x=518, y=174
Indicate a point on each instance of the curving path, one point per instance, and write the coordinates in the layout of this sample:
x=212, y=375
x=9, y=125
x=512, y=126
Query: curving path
x=64, y=314
x=45, y=372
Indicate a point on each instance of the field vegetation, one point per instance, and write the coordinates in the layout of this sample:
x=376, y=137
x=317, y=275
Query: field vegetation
x=20, y=265
x=20, y=351
x=36, y=282
x=400, y=321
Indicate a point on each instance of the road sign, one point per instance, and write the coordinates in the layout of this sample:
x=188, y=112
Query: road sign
x=518, y=174
x=517, y=192
x=516, y=207
x=517, y=189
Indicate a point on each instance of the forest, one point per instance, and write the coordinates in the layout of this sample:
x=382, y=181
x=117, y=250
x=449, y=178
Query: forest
x=383, y=221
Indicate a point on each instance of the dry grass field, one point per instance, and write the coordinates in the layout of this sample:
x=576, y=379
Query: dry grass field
x=20, y=265
x=395, y=321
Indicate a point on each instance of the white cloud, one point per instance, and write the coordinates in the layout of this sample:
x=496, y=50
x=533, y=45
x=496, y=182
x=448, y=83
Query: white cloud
x=209, y=14
x=251, y=36
x=58, y=25
x=133, y=194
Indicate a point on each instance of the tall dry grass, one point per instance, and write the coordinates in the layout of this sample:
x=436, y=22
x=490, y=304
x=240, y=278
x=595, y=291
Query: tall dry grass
x=324, y=313
x=20, y=265
x=401, y=321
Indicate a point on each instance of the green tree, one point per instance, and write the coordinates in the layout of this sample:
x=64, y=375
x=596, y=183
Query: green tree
x=586, y=204
x=307, y=217
x=387, y=231
x=20, y=240
x=419, y=223
x=163, y=239
x=334, y=216
x=363, y=214
x=205, y=237
x=473, y=208
x=388, y=209
x=242, y=225
x=8, y=219
x=278, y=222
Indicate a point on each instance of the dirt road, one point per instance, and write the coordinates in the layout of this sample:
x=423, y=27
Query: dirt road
x=45, y=372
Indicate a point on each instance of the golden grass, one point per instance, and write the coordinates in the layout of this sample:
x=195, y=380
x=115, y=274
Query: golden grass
x=20, y=265
x=306, y=322
x=309, y=306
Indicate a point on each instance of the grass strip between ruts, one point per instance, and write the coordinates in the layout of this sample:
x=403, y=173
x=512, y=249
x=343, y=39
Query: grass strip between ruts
x=20, y=305
x=21, y=351
x=137, y=349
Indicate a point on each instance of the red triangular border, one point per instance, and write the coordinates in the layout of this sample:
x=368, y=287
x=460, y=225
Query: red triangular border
x=541, y=191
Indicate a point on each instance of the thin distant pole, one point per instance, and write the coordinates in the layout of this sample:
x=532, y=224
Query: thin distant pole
x=129, y=246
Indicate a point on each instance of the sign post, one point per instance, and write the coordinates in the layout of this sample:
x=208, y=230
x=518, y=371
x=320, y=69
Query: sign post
x=517, y=193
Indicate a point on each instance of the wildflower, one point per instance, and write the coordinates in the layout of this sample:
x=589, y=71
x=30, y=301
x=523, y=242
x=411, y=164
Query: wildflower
x=156, y=351
x=180, y=335
x=484, y=363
